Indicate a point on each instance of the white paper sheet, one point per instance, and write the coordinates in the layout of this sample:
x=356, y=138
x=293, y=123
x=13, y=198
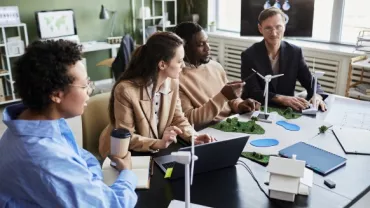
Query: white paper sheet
x=345, y=112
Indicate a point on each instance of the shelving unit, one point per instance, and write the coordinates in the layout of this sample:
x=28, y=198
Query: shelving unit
x=156, y=18
x=363, y=41
x=6, y=77
x=359, y=72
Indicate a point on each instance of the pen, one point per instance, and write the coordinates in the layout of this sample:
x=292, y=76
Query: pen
x=249, y=76
x=151, y=166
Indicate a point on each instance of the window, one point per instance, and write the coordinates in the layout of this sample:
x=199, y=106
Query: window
x=356, y=17
x=228, y=15
x=323, y=13
x=334, y=20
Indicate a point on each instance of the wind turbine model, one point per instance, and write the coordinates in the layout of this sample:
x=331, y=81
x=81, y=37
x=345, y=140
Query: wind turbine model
x=312, y=110
x=185, y=157
x=265, y=117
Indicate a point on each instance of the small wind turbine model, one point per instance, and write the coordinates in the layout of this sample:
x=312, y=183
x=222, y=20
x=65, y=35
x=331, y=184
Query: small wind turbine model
x=312, y=110
x=265, y=117
x=185, y=157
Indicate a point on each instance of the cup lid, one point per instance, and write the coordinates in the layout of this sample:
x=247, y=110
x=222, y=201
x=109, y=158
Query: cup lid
x=120, y=133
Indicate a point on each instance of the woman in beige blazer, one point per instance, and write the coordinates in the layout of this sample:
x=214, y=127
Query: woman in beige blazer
x=153, y=115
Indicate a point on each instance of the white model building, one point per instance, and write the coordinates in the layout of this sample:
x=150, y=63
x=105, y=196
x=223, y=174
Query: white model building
x=285, y=176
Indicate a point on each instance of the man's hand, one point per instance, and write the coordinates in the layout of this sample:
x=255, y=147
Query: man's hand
x=233, y=90
x=248, y=105
x=122, y=163
x=319, y=102
x=296, y=103
x=168, y=137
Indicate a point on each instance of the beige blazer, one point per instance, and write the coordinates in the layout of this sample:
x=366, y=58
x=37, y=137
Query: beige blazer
x=134, y=110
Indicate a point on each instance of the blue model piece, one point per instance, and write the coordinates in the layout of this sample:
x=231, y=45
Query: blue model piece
x=264, y=142
x=288, y=126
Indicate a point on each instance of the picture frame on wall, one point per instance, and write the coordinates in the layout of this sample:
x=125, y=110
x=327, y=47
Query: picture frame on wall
x=9, y=15
x=55, y=23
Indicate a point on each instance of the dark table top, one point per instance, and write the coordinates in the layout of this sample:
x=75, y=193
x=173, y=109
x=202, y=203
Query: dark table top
x=234, y=186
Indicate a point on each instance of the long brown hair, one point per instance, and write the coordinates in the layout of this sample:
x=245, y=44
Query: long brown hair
x=161, y=46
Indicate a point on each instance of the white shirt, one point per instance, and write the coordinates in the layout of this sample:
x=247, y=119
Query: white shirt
x=164, y=89
x=274, y=64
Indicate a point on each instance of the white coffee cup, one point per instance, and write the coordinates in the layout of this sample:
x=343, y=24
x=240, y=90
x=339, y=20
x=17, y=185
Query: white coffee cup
x=119, y=142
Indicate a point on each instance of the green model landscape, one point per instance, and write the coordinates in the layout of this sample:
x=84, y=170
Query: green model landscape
x=234, y=125
x=287, y=113
x=257, y=157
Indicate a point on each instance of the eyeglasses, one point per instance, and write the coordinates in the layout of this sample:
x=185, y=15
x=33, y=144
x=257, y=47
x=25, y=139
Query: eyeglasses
x=89, y=86
x=278, y=28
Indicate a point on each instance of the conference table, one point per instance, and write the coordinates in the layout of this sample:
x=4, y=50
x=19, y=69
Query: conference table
x=234, y=186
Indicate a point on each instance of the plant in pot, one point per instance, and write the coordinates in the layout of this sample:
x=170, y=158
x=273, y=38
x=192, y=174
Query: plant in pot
x=212, y=27
x=189, y=5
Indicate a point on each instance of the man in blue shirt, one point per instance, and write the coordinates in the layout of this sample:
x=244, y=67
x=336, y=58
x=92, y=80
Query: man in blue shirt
x=41, y=164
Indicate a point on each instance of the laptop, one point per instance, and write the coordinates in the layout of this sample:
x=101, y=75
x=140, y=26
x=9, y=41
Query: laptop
x=211, y=156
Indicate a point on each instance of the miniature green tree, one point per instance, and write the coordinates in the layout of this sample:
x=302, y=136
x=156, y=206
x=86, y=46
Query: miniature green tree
x=228, y=120
x=254, y=119
x=238, y=124
x=323, y=129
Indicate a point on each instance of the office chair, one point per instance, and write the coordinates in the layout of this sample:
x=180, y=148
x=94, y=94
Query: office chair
x=94, y=119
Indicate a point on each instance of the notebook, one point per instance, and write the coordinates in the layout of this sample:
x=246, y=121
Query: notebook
x=319, y=160
x=141, y=166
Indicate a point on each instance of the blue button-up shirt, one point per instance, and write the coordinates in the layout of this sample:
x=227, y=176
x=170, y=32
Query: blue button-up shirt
x=41, y=165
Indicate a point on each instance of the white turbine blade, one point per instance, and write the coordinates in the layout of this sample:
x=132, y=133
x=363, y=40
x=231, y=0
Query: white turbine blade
x=258, y=73
x=278, y=75
x=192, y=156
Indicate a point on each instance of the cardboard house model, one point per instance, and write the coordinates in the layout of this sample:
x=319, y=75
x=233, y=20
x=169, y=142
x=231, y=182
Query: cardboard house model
x=285, y=177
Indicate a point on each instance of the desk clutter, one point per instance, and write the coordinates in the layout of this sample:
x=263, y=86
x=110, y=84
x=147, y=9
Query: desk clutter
x=290, y=159
x=114, y=40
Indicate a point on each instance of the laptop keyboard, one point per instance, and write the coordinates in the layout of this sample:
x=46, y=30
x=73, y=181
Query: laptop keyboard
x=168, y=165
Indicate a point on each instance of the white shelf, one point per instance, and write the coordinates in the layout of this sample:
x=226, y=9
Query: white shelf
x=150, y=18
x=7, y=64
x=13, y=25
x=363, y=38
x=4, y=74
x=13, y=56
x=169, y=26
x=362, y=64
x=356, y=94
x=10, y=101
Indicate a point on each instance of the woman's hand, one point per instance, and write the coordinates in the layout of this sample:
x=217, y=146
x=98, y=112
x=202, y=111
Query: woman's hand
x=168, y=137
x=204, y=138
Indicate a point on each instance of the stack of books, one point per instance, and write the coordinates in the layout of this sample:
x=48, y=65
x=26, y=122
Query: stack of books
x=363, y=88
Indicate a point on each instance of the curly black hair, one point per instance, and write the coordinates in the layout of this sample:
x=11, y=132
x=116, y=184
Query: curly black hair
x=43, y=69
x=186, y=30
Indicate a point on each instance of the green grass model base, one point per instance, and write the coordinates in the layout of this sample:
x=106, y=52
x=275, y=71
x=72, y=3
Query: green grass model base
x=287, y=113
x=256, y=157
x=233, y=125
